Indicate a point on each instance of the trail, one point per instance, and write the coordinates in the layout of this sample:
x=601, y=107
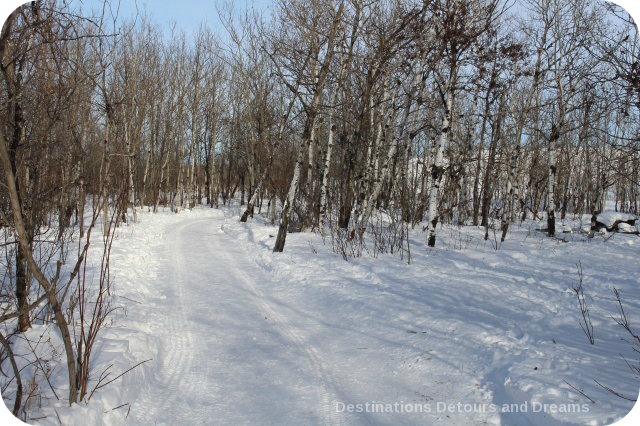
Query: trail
x=239, y=335
x=225, y=353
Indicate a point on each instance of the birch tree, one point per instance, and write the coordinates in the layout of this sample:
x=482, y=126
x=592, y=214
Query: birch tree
x=458, y=25
x=320, y=49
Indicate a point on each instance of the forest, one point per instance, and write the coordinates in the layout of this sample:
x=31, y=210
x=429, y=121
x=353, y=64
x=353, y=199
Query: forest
x=360, y=121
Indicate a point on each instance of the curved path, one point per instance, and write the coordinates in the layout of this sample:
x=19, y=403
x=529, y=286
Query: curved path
x=225, y=354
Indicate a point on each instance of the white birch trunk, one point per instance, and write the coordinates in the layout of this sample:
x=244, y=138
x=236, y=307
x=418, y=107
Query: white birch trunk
x=437, y=172
x=130, y=169
x=551, y=184
x=510, y=194
x=370, y=202
x=312, y=110
x=162, y=172
x=191, y=190
x=290, y=199
x=311, y=160
x=324, y=186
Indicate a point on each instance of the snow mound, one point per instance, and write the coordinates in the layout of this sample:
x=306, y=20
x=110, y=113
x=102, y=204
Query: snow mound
x=612, y=219
x=625, y=228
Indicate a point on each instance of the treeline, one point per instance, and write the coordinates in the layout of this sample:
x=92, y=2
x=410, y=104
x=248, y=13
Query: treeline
x=330, y=111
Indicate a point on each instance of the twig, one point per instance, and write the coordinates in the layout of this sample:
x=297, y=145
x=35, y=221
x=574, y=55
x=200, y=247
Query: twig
x=579, y=391
x=39, y=362
x=102, y=377
x=119, y=406
x=99, y=386
x=130, y=300
x=16, y=374
x=618, y=394
x=585, y=324
x=623, y=321
x=58, y=416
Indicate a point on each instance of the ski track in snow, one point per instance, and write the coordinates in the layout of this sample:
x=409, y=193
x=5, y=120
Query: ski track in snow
x=240, y=335
x=294, y=335
x=186, y=385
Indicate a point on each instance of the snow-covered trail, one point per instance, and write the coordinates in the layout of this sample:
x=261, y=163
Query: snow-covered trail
x=240, y=335
x=234, y=342
x=224, y=353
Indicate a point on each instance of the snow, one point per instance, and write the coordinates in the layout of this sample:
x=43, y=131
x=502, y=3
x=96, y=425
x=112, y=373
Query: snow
x=610, y=218
x=628, y=229
x=465, y=334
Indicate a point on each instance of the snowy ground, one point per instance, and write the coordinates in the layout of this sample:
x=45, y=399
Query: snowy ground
x=466, y=334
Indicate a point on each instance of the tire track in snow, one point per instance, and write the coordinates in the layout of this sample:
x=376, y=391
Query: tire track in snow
x=179, y=384
x=177, y=356
x=327, y=395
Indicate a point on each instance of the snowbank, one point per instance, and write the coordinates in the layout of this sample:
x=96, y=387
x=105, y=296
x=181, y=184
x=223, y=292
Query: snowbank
x=611, y=219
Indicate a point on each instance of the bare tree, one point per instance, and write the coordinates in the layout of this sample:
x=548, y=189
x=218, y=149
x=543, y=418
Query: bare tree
x=314, y=67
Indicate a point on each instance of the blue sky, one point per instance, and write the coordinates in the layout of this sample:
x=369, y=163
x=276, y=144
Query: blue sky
x=187, y=14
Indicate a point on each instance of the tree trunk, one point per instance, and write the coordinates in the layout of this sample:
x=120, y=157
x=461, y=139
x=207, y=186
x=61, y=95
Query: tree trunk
x=22, y=236
x=22, y=290
x=324, y=188
x=551, y=184
x=511, y=194
x=130, y=171
x=254, y=197
x=437, y=170
x=293, y=190
x=104, y=172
